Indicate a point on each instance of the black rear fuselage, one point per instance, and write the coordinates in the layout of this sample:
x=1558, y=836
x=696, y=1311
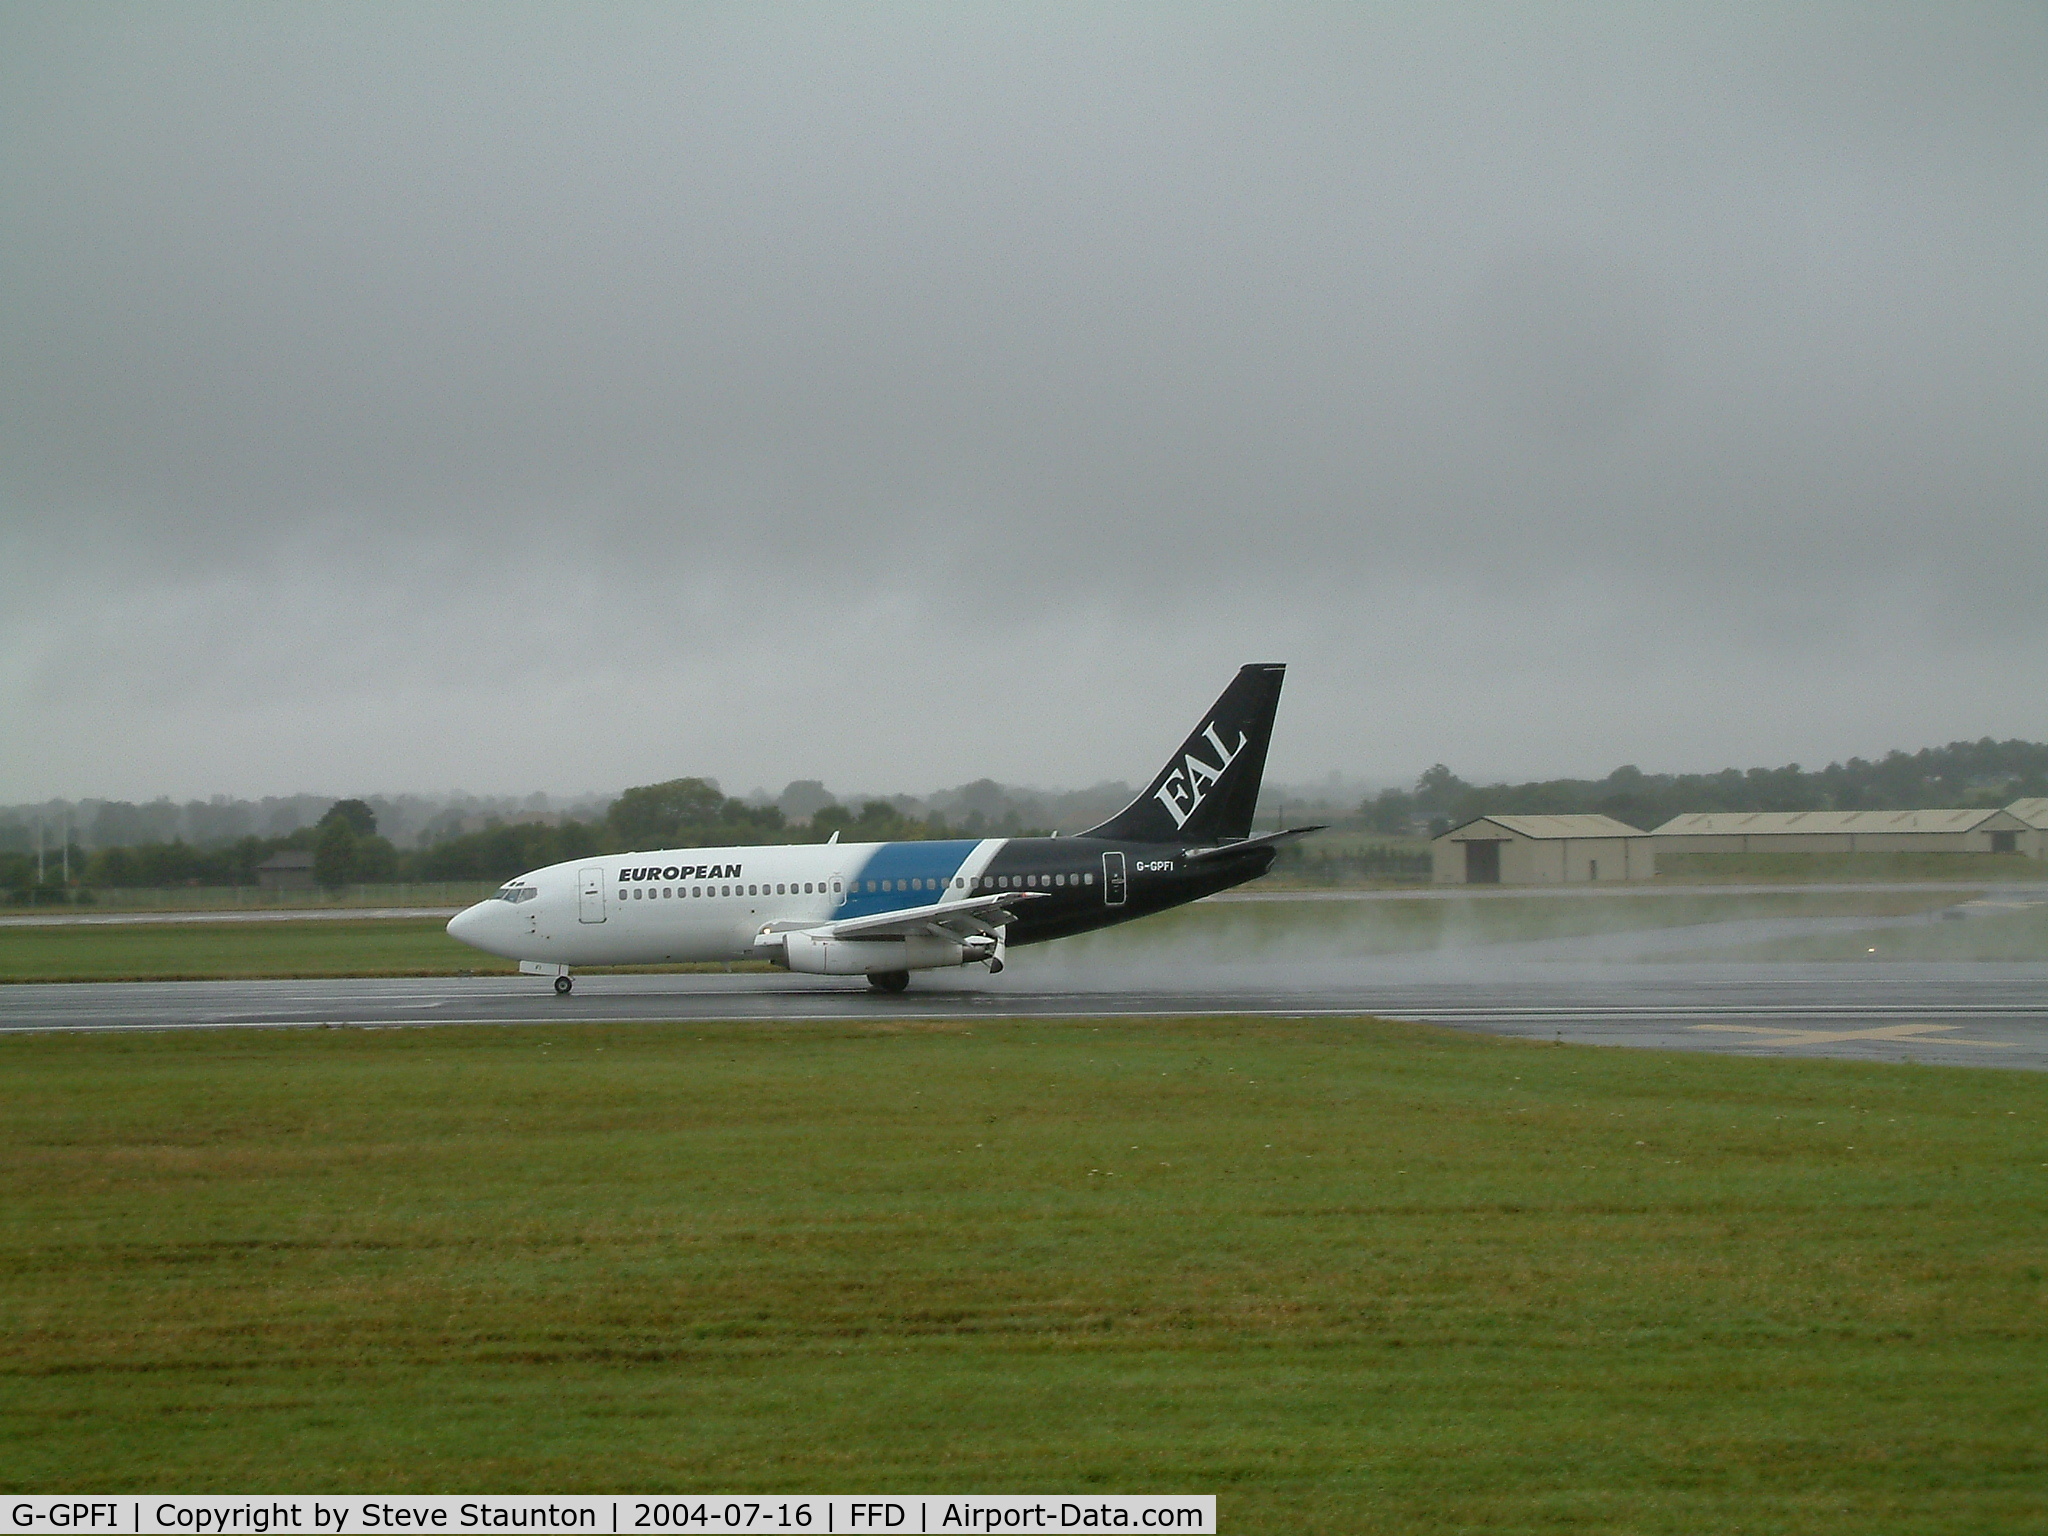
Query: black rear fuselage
x=1087, y=883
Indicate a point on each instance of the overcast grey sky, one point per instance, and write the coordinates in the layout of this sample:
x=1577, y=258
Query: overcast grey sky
x=517, y=398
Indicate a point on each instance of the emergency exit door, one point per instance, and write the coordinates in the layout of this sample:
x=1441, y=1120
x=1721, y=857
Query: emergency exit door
x=592, y=910
x=1114, y=888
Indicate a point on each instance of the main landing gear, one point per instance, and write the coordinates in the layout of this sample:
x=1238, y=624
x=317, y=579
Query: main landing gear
x=562, y=986
x=889, y=981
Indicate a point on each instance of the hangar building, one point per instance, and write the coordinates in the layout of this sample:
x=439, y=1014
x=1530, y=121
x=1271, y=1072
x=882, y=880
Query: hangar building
x=1960, y=831
x=1542, y=850
x=2034, y=841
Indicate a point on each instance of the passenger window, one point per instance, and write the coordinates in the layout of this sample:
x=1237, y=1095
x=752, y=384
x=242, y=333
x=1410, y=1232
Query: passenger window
x=781, y=889
x=1089, y=878
x=835, y=885
x=636, y=893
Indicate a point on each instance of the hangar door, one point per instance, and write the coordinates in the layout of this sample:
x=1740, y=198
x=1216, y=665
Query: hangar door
x=1482, y=863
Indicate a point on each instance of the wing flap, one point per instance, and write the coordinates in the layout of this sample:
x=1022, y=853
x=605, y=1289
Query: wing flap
x=974, y=917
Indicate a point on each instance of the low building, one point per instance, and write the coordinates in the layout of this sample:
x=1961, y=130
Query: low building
x=1542, y=850
x=2033, y=815
x=1941, y=831
x=291, y=870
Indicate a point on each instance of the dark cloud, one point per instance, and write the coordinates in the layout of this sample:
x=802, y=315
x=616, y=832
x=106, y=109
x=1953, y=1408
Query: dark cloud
x=567, y=397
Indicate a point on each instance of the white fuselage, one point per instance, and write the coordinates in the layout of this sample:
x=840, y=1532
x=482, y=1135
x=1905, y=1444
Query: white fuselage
x=711, y=904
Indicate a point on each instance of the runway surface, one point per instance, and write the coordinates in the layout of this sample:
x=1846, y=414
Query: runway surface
x=1993, y=1015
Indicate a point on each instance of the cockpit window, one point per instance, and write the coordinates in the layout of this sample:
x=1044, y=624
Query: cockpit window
x=515, y=893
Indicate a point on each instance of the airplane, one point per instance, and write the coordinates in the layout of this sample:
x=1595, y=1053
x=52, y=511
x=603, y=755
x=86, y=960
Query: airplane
x=884, y=910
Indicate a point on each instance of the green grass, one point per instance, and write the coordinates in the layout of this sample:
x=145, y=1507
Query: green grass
x=194, y=951
x=1707, y=868
x=229, y=898
x=1350, y=1276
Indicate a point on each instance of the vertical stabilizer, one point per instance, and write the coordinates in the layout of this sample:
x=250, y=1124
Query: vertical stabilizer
x=1209, y=788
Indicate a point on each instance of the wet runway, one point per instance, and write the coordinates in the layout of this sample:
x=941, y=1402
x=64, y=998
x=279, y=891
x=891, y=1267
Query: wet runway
x=1957, y=1014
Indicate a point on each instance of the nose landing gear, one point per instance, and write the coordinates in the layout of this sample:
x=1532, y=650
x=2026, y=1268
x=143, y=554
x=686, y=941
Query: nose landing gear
x=562, y=986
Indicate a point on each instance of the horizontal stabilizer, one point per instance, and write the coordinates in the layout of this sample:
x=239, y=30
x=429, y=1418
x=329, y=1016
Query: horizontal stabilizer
x=1270, y=840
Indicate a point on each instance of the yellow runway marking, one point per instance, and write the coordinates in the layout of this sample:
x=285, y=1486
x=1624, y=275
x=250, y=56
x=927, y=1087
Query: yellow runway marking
x=1830, y=1036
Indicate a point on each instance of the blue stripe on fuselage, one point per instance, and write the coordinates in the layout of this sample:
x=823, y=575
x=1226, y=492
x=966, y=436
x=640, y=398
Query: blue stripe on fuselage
x=894, y=866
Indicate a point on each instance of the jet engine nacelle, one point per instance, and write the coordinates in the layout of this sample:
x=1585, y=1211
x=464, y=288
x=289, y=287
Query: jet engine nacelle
x=820, y=955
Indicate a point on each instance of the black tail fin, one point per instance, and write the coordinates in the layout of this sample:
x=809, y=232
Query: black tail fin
x=1209, y=788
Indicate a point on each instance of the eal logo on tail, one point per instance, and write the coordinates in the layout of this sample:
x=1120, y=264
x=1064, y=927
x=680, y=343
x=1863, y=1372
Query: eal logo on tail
x=1183, y=790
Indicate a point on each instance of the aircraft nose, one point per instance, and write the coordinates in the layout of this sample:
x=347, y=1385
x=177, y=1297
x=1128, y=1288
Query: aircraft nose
x=465, y=924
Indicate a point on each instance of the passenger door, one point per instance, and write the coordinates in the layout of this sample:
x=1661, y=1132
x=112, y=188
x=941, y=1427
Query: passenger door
x=1114, y=886
x=592, y=901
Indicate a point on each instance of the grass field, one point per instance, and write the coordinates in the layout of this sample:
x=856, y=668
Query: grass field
x=1709, y=868
x=1348, y=1275
x=1271, y=930
x=194, y=951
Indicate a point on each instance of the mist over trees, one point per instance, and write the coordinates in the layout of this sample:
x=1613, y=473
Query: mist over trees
x=349, y=847
x=1983, y=773
x=463, y=838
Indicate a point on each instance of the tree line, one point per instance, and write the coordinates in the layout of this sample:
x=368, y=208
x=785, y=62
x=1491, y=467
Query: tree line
x=347, y=848
x=1982, y=773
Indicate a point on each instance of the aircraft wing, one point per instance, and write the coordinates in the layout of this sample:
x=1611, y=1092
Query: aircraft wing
x=973, y=918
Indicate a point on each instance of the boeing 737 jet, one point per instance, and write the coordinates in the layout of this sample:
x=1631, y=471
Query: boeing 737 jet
x=883, y=910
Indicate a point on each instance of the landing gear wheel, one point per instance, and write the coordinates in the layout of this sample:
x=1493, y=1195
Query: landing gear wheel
x=562, y=986
x=889, y=981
